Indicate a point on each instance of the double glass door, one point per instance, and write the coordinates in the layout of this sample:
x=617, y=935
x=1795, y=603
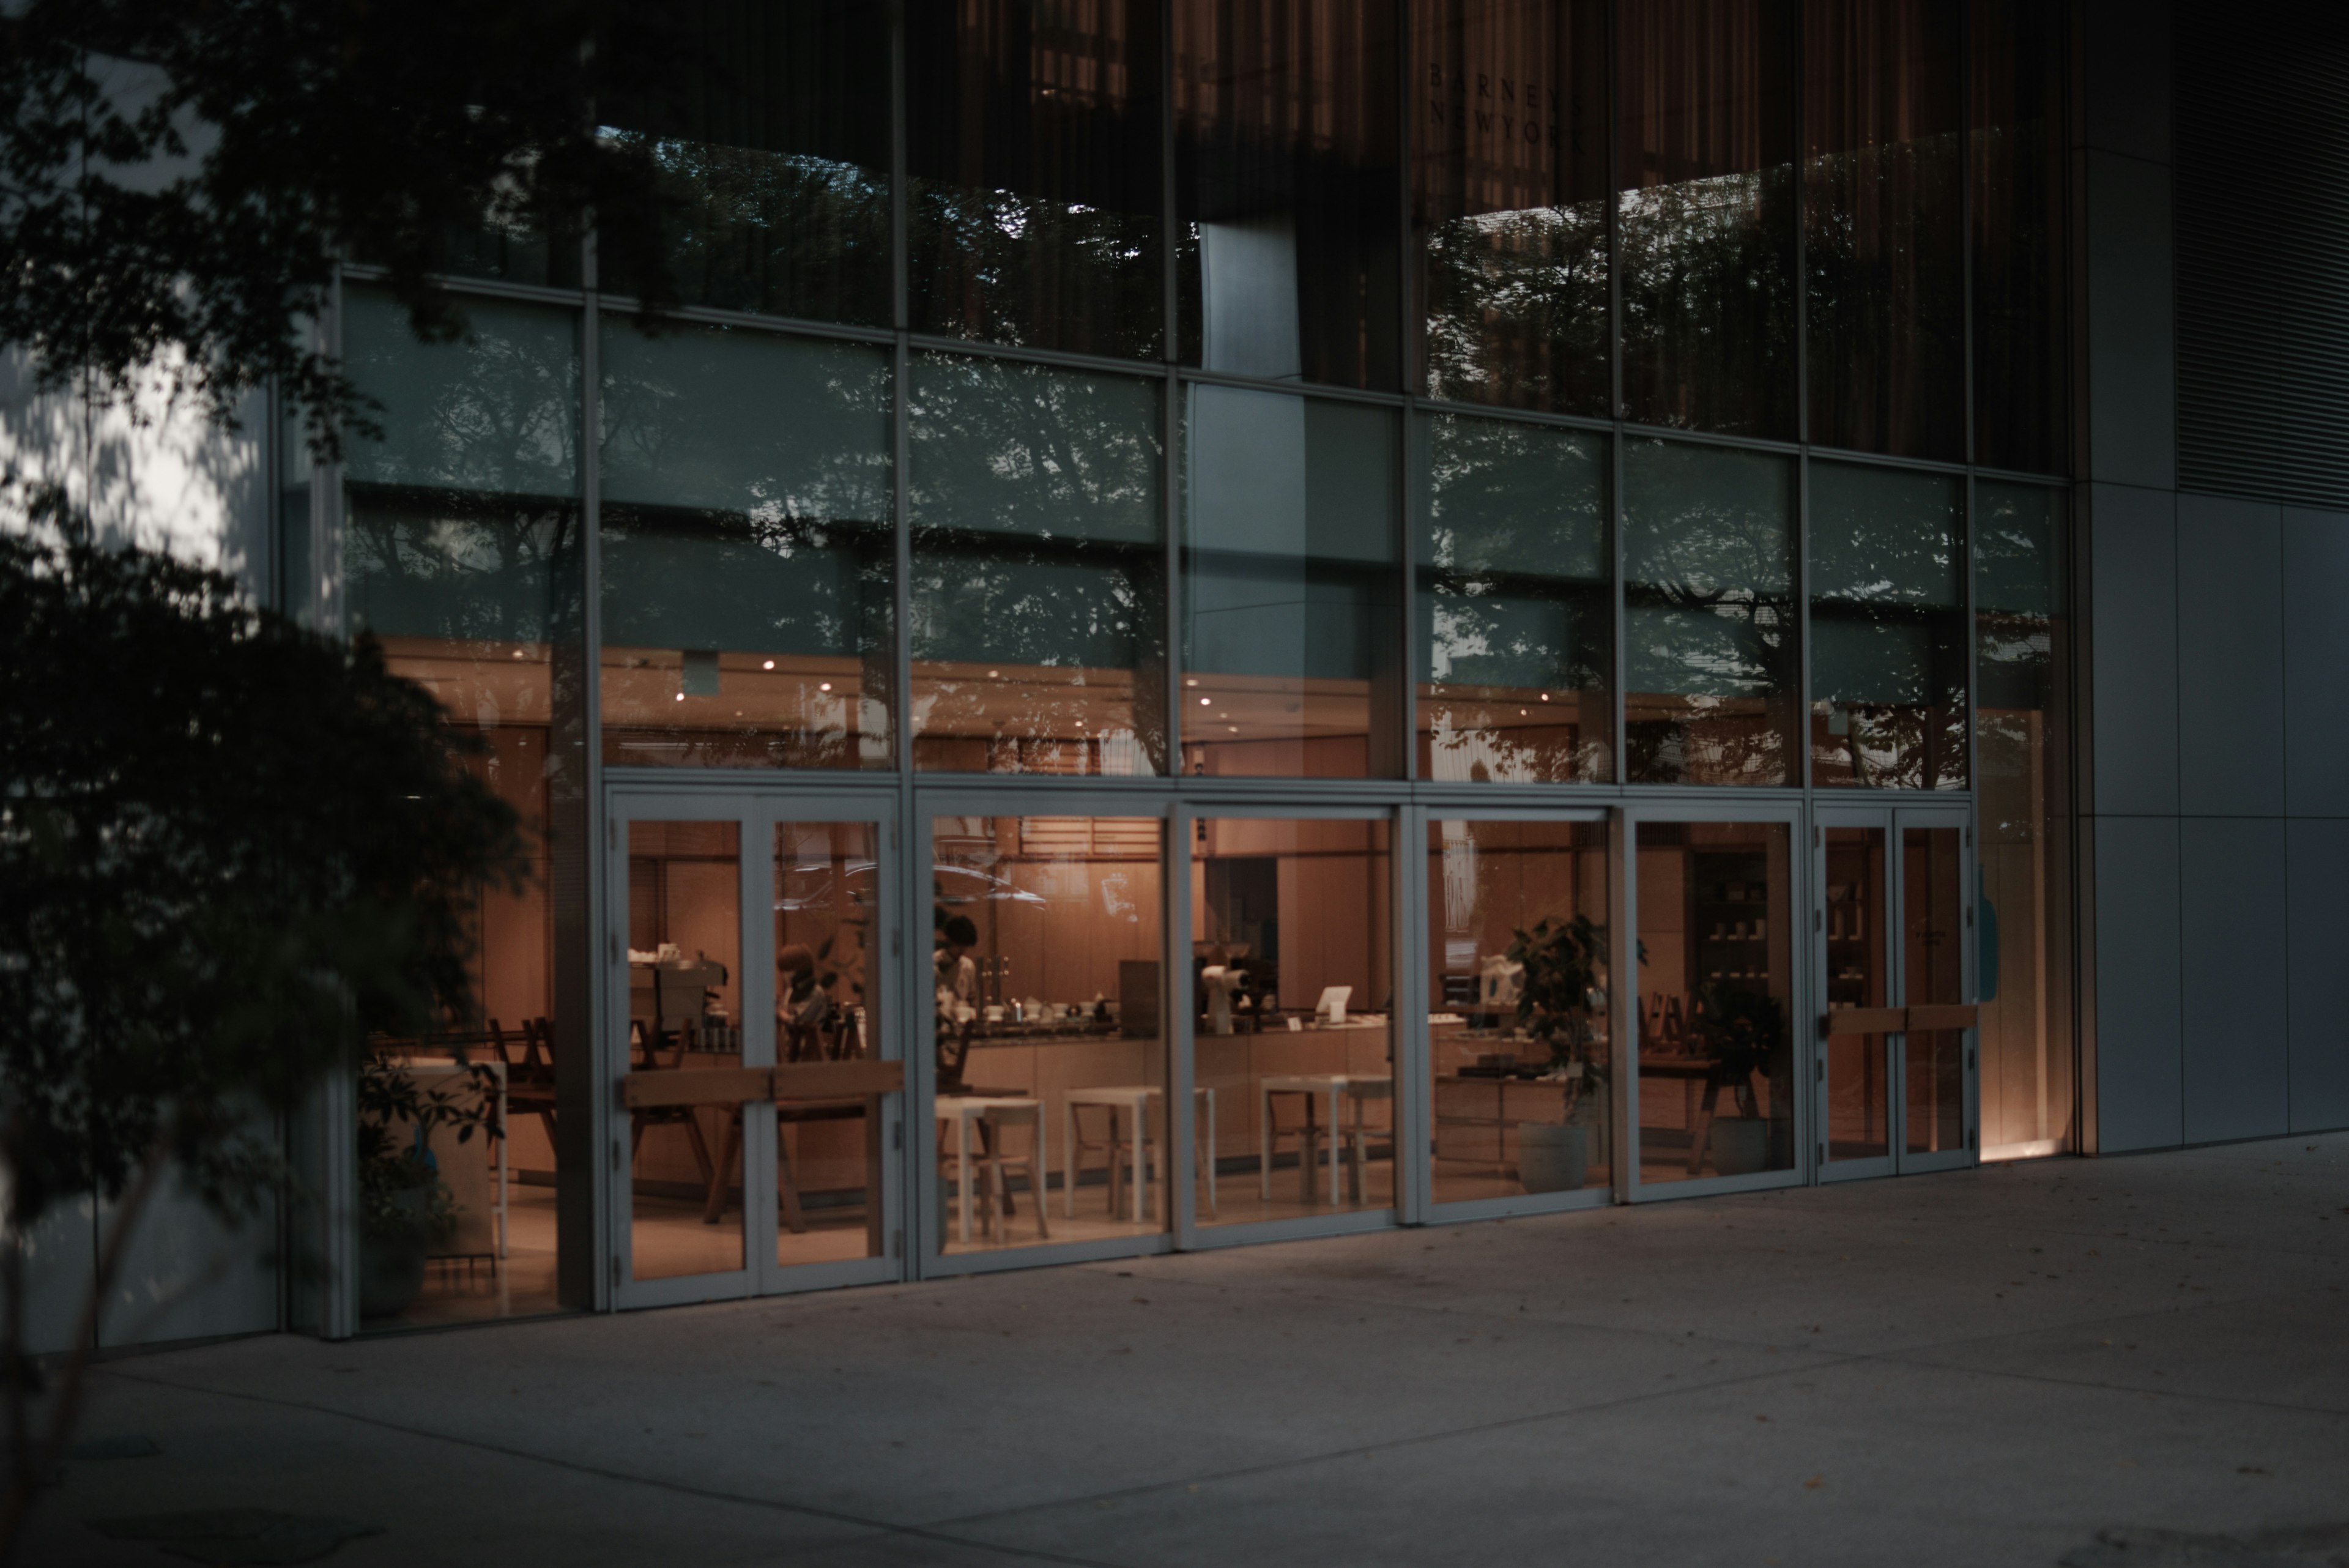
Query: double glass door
x=1894, y=953
x=757, y=1068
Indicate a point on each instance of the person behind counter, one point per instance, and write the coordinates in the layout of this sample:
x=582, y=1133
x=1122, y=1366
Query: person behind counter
x=957, y=997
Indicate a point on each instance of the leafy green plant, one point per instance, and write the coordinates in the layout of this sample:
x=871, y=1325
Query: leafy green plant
x=1740, y=1028
x=1565, y=963
x=398, y=1117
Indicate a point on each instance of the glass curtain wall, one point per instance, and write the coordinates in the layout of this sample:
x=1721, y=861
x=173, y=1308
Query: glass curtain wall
x=1039, y=603
x=1050, y=1029
x=1509, y=197
x=1888, y=642
x=1291, y=619
x=1716, y=950
x=1292, y=1000
x=1520, y=1060
x=1034, y=196
x=1706, y=211
x=2024, y=902
x=1514, y=603
x=748, y=550
x=1289, y=187
x=462, y=556
x=1884, y=210
x=774, y=153
x=1709, y=619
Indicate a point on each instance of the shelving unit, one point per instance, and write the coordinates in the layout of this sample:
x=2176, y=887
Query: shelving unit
x=1731, y=915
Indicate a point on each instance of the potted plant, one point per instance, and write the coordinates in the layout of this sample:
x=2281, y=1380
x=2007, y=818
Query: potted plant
x=405, y=1209
x=1560, y=994
x=1744, y=1033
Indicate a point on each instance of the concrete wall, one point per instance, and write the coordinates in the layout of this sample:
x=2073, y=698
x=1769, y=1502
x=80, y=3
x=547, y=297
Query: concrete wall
x=2216, y=778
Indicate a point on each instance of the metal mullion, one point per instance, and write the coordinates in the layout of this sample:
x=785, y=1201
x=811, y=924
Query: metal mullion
x=595, y=809
x=1182, y=1069
x=1619, y=766
x=1193, y=374
x=1172, y=485
x=1635, y=428
x=901, y=597
x=484, y=287
x=1421, y=403
x=1413, y=1107
x=761, y=322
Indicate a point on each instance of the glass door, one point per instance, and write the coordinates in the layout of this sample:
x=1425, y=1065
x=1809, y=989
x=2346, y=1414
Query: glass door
x=1894, y=1068
x=756, y=1079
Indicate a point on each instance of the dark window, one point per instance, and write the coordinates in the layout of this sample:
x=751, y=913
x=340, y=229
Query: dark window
x=1035, y=199
x=2018, y=249
x=1289, y=191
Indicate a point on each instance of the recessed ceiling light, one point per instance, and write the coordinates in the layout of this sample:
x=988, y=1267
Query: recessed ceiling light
x=768, y=665
x=824, y=686
x=1202, y=702
x=995, y=675
x=1194, y=680
x=680, y=696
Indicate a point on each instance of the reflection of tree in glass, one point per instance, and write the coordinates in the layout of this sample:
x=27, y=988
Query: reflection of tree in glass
x=462, y=522
x=1003, y=267
x=1037, y=499
x=1708, y=293
x=788, y=233
x=1516, y=308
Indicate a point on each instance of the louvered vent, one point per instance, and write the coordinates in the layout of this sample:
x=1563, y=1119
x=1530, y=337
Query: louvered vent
x=2263, y=215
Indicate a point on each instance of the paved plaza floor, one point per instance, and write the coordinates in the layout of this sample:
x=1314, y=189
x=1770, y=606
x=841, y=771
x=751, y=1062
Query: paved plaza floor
x=2139, y=1360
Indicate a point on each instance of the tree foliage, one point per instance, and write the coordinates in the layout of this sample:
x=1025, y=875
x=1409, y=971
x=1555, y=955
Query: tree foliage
x=233, y=847
x=179, y=178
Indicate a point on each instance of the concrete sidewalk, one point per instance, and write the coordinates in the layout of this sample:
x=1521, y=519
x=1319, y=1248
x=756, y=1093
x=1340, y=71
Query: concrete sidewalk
x=1987, y=1368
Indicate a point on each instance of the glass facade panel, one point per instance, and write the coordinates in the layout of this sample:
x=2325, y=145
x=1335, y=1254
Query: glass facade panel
x=1509, y=195
x=1290, y=616
x=748, y=550
x=1035, y=209
x=2024, y=807
x=1288, y=189
x=462, y=554
x=2019, y=215
x=1858, y=975
x=1707, y=212
x=1716, y=1044
x=828, y=1154
x=1292, y=991
x=1888, y=629
x=1519, y=1056
x=1515, y=604
x=775, y=154
x=1709, y=622
x=1932, y=914
x=1050, y=1029
x=1884, y=199
x=1039, y=601
x=684, y=1014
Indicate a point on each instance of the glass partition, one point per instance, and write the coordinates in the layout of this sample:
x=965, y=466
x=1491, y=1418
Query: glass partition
x=1034, y=199
x=462, y=554
x=1287, y=200
x=2016, y=171
x=1509, y=195
x=773, y=150
x=1515, y=604
x=2023, y=805
x=1710, y=627
x=1050, y=1029
x=748, y=550
x=1716, y=1000
x=1707, y=213
x=1291, y=657
x=1040, y=564
x=1888, y=644
x=1884, y=193
x=684, y=1014
x=1520, y=1055
x=1932, y=966
x=1291, y=991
